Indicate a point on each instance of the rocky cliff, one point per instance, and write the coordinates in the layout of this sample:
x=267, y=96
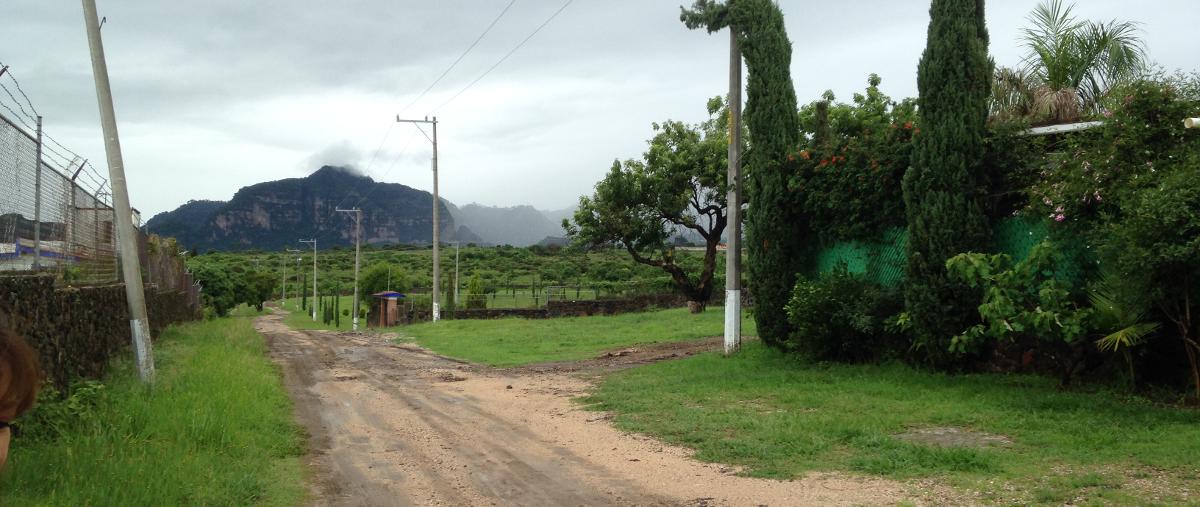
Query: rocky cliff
x=276, y=214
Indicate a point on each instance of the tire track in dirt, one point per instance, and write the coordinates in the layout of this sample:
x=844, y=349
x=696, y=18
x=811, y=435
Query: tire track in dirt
x=395, y=424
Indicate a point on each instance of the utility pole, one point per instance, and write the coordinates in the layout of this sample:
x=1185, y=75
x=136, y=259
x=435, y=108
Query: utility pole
x=286, y=252
x=283, y=279
x=314, y=306
x=135, y=296
x=456, y=243
x=437, y=266
x=733, y=250
x=1192, y=123
x=37, y=200
x=357, y=240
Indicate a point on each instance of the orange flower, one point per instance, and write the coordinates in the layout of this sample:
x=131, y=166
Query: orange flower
x=804, y=154
x=908, y=125
x=791, y=158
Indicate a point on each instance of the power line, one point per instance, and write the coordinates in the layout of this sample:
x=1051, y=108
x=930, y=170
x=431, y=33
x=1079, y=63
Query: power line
x=505, y=57
x=460, y=57
x=391, y=125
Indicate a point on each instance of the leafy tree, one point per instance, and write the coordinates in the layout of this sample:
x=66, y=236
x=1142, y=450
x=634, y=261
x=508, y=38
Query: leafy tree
x=1070, y=66
x=680, y=185
x=776, y=227
x=259, y=286
x=943, y=213
x=380, y=277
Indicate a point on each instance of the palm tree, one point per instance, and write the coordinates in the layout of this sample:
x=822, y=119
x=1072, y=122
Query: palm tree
x=1070, y=67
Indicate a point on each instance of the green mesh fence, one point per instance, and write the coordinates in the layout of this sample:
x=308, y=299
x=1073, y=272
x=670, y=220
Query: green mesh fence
x=883, y=261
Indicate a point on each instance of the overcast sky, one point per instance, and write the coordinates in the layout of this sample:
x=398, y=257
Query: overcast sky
x=215, y=95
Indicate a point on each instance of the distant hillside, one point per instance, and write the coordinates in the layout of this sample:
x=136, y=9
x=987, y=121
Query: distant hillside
x=276, y=214
x=517, y=226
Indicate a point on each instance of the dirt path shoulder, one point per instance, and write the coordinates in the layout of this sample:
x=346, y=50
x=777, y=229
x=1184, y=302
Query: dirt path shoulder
x=397, y=425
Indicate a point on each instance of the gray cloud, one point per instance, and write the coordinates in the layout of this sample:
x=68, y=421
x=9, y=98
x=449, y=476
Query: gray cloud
x=215, y=95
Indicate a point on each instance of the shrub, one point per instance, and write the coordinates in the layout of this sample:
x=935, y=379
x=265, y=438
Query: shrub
x=841, y=317
x=1026, y=301
x=1156, y=248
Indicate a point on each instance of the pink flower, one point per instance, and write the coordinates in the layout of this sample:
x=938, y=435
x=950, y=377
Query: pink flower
x=1060, y=217
x=1096, y=194
x=1107, y=113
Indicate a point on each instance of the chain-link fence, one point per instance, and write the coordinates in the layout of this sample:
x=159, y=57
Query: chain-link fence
x=56, y=215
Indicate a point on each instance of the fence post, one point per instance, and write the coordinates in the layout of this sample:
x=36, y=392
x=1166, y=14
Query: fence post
x=37, y=200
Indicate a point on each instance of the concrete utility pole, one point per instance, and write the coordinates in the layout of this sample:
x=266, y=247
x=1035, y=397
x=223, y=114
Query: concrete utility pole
x=283, y=279
x=733, y=248
x=131, y=268
x=314, y=305
x=456, y=243
x=437, y=265
x=286, y=252
x=357, y=241
x=37, y=199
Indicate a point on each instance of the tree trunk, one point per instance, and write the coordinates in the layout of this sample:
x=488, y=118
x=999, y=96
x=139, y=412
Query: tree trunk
x=696, y=306
x=1191, y=355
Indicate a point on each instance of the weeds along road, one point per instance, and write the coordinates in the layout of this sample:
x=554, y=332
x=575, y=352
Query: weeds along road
x=394, y=424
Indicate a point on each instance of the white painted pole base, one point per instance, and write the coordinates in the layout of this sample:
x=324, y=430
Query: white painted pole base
x=733, y=321
x=437, y=312
x=142, y=350
x=354, y=324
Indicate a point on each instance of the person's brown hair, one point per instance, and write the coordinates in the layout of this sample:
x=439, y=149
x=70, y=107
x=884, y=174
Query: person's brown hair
x=20, y=376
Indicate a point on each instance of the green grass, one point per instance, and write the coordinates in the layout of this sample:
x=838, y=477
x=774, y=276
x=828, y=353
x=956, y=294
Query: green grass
x=781, y=418
x=516, y=341
x=216, y=429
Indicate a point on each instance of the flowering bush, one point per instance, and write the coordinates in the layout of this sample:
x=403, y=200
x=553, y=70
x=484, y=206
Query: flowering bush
x=1089, y=178
x=849, y=167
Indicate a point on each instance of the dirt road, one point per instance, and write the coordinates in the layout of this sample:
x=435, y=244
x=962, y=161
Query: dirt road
x=397, y=425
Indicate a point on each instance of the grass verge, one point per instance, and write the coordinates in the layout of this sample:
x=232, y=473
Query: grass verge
x=216, y=429
x=516, y=341
x=781, y=418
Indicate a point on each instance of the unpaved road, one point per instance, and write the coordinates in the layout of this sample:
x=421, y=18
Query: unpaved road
x=397, y=425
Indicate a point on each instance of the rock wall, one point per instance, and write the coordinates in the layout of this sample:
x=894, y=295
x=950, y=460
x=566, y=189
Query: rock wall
x=78, y=330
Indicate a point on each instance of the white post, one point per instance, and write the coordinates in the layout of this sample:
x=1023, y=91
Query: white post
x=357, y=240
x=437, y=262
x=139, y=322
x=1192, y=123
x=733, y=252
x=314, y=297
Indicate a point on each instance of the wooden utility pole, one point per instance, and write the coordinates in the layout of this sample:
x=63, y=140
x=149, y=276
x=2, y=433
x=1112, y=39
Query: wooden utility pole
x=733, y=247
x=131, y=268
x=437, y=265
x=357, y=245
x=314, y=306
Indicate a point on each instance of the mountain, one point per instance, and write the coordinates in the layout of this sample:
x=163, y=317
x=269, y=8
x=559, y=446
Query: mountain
x=517, y=225
x=276, y=214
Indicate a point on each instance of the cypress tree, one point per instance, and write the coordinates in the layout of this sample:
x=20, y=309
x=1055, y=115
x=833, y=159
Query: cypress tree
x=942, y=187
x=337, y=306
x=303, y=293
x=775, y=226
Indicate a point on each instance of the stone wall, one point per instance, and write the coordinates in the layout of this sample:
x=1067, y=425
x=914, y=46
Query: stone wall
x=78, y=330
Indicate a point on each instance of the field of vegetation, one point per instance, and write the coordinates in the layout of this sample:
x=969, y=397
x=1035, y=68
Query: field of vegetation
x=216, y=429
x=498, y=277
